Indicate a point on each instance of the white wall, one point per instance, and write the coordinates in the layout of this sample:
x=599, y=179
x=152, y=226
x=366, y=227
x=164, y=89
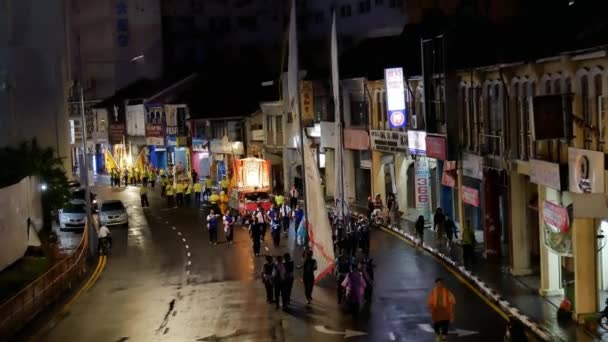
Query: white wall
x=18, y=202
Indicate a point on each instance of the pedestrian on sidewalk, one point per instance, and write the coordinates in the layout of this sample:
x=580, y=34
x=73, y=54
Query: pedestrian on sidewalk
x=420, y=231
x=308, y=274
x=212, y=227
x=449, y=231
x=438, y=225
x=255, y=230
x=143, y=195
x=287, y=280
x=228, y=226
x=441, y=305
x=468, y=245
x=267, y=278
x=278, y=275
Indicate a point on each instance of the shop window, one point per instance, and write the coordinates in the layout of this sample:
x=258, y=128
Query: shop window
x=358, y=110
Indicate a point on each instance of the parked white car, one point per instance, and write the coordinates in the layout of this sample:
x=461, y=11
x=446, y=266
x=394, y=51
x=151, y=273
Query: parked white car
x=72, y=216
x=113, y=213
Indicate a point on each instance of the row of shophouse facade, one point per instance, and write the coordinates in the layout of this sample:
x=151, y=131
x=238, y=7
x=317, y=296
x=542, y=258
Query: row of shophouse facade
x=498, y=148
x=515, y=151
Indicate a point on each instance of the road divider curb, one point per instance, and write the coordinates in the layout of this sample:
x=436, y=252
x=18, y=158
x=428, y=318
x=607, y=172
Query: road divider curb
x=479, y=287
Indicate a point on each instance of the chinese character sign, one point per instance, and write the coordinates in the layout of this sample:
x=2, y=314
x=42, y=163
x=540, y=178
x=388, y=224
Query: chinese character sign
x=395, y=97
x=422, y=187
x=306, y=100
x=121, y=10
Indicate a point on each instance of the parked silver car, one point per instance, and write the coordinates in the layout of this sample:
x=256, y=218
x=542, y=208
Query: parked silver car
x=72, y=216
x=113, y=213
x=77, y=196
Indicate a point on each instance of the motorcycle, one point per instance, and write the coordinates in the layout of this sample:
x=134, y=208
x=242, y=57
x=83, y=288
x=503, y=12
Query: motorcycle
x=105, y=246
x=377, y=217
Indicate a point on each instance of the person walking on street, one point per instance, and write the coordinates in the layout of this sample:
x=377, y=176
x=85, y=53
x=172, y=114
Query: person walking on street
x=262, y=219
x=214, y=200
x=343, y=265
x=293, y=197
x=308, y=274
x=441, y=306
x=228, y=227
x=275, y=226
x=143, y=195
x=449, y=231
x=163, y=186
x=169, y=194
x=298, y=214
x=212, y=227
x=198, y=188
x=354, y=288
x=287, y=280
x=224, y=184
x=207, y=193
x=301, y=233
x=278, y=275
x=152, y=179
x=255, y=230
x=285, y=212
x=179, y=193
x=267, y=278
x=468, y=245
x=420, y=231
x=188, y=193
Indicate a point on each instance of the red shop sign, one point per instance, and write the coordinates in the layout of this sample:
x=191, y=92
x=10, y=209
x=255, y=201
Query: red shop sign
x=435, y=147
x=470, y=196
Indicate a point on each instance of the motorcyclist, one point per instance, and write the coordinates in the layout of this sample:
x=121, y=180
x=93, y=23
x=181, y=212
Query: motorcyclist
x=103, y=236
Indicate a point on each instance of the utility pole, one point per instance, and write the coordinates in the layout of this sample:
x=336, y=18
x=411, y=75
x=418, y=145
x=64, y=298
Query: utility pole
x=84, y=174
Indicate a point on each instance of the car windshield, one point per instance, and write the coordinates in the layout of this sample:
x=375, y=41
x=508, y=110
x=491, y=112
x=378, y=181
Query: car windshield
x=256, y=196
x=74, y=209
x=112, y=206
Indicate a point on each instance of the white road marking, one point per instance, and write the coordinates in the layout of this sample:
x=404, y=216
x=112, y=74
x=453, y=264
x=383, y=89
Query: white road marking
x=391, y=336
x=189, y=263
x=266, y=248
x=173, y=228
x=188, y=254
x=188, y=272
x=179, y=233
x=187, y=247
x=167, y=222
x=183, y=239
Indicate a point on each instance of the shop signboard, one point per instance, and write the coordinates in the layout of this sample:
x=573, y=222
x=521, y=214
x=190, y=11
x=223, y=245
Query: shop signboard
x=388, y=141
x=448, y=179
x=356, y=139
x=470, y=196
x=199, y=145
x=117, y=125
x=307, y=100
x=395, y=97
x=472, y=166
x=435, y=147
x=545, y=173
x=586, y=171
x=225, y=146
x=556, y=224
x=154, y=135
x=422, y=188
x=328, y=134
x=257, y=135
x=416, y=141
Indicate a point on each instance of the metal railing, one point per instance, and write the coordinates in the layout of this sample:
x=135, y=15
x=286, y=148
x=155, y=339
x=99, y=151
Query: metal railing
x=27, y=303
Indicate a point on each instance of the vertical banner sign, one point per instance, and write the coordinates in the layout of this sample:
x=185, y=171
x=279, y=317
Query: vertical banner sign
x=421, y=178
x=395, y=97
x=121, y=9
x=306, y=100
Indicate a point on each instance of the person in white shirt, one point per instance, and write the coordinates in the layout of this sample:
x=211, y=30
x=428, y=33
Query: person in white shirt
x=293, y=197
x=103, y=234
x=261, y=216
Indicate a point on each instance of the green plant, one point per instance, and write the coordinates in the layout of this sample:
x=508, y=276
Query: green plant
x=29, y=159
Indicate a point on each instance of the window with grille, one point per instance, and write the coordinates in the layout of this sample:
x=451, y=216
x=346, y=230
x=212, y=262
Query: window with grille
x=587, y=118
x=600, y=109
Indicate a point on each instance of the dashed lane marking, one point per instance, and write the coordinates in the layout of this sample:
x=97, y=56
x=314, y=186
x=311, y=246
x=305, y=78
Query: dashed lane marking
x=266, y=248
x=187, y=247
x=188, y=254
x=189, y=262
x=179, y=233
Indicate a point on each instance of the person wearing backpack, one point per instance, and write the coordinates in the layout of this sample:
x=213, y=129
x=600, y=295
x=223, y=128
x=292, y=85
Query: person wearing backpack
x=308, y=274
x=267, y=278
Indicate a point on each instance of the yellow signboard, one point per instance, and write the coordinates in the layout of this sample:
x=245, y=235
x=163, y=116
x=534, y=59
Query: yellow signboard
x=307, y=100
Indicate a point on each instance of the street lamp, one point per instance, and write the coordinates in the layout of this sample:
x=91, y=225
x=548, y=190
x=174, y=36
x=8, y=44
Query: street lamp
x=84, y=170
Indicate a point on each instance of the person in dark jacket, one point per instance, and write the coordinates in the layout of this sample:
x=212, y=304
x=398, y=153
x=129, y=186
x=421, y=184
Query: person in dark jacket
x=420, y=230
x=267, y=278
x=278, y=276
x=308, y=274
x=255, y=230
x=287, y=280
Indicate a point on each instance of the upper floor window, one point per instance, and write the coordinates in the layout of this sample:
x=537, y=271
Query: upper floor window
x=365, y=6
x=358, y=110
x=345, y=11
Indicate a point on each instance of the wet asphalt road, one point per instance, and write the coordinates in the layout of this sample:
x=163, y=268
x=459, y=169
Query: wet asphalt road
x=165, y=282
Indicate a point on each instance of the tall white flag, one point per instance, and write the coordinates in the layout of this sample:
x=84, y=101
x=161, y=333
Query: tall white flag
x=319, y=229
x=340, y=203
